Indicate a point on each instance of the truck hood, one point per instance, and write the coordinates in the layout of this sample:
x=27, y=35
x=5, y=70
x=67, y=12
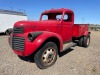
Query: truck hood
x=35, y=23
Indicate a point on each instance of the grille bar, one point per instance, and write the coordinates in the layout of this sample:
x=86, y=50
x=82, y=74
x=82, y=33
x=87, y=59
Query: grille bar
x=19, y=30
x=18, y=43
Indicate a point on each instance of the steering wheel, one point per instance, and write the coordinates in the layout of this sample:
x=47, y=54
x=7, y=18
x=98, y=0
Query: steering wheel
x=58, y=19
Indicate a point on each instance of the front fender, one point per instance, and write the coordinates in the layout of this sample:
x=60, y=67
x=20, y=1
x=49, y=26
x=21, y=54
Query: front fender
x=31, y=47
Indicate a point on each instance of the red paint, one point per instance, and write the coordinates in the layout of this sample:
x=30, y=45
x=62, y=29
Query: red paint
x=80, y=30
x=63, y=30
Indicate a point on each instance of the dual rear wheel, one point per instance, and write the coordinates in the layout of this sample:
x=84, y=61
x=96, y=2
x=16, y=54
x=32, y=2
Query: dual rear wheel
x=84, y=41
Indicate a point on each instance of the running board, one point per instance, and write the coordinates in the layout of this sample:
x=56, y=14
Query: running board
x=68, y=45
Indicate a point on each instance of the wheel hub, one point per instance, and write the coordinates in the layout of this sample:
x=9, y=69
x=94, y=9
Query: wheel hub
x=88, y=41
x=48, y=56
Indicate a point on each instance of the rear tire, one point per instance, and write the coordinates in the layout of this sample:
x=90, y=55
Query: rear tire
x=46, y=56
x=80, y=43
x=7, y=32
x=86, y=41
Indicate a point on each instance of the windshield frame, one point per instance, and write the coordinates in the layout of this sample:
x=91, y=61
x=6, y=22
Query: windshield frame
x=57, y=13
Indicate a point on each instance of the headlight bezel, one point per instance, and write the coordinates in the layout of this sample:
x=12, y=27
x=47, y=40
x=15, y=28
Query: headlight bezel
x=32, y=36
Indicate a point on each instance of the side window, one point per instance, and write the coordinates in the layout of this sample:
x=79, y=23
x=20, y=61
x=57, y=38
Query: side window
x=58, y=17
x=45, y=17
x=67, y=18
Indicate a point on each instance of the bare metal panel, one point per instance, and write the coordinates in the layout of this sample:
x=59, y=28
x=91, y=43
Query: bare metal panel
x=8, y=20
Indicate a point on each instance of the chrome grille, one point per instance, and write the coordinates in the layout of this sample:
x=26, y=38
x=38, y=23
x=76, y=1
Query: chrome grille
x=18, y=43
x=11, y=40
x=19, y=30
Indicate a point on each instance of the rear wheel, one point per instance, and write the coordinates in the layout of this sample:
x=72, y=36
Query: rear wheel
x=46, y=56
x=7, y=32
x=86, y=41
x=80, y=43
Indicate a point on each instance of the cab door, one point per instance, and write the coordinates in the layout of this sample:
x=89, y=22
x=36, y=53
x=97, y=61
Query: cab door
x=67, y=27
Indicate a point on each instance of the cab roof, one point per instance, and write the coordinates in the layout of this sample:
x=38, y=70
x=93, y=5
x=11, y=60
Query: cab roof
x=58, y=11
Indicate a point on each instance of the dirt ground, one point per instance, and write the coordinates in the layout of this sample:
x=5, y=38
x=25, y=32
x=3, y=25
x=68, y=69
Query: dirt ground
x=78, y=61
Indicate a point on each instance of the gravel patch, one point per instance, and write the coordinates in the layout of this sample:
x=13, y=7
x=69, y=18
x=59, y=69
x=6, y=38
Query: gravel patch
x=79, y=61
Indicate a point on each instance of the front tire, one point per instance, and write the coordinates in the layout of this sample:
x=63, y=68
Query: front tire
x=46, y=56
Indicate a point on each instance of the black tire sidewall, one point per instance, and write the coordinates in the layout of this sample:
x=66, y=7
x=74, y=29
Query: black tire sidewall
x=85, y=41
x=7, y=32
x=38, y=55
x=80, y=43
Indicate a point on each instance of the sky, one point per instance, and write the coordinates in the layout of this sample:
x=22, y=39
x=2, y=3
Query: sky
x=86, y=11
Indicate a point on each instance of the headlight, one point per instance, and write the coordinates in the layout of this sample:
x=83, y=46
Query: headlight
x=34, y=35
x=30, y=37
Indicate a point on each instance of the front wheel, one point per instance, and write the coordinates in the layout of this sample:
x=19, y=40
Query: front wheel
x=46, y=56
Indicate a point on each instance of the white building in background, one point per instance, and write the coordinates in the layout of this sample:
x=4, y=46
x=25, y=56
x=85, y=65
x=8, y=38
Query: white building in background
x=8, y=18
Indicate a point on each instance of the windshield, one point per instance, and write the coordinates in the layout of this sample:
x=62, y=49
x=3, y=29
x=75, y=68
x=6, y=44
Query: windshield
x=52, y=16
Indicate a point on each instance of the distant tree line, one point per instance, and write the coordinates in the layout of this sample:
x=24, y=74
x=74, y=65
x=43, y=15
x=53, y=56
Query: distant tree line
x=94, y=27
x=94, y=24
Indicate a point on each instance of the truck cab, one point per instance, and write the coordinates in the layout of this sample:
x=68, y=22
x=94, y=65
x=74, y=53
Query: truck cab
x=55, y=32
x=64, y=21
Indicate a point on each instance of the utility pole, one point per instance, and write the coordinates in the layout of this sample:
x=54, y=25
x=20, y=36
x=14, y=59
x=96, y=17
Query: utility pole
x=11, y=8
x=83, y=19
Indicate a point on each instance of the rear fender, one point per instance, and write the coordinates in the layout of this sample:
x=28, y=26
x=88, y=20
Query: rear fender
x=87, y=33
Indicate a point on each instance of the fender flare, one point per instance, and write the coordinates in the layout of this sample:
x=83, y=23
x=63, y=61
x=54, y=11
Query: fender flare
x=46, y=35
x=86, y=33
x=38, y=42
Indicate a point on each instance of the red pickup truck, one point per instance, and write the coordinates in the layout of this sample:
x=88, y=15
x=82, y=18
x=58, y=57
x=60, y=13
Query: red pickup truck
x=54, y=33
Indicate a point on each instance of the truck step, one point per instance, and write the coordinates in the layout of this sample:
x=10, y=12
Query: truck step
x=68, y=45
